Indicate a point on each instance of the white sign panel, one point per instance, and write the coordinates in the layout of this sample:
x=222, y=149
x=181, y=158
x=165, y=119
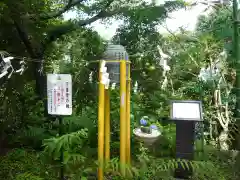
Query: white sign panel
x=186, y=111
x=59, y=89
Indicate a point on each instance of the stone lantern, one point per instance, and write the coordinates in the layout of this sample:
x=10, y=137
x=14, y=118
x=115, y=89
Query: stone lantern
x=112, y=53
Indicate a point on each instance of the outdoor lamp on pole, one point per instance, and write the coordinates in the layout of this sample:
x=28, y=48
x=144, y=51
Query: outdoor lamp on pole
x=117, y=65
x=115, y=53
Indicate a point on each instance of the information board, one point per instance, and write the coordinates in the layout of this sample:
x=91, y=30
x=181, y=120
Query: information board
x=186, y=110
x=59, y=94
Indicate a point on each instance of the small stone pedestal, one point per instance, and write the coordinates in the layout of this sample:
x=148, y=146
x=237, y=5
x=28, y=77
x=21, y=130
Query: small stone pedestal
x=147, y=139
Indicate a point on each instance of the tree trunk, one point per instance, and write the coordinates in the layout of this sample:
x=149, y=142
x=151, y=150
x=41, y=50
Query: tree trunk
x=223, y=138
x=36, y=52
x=33, y=47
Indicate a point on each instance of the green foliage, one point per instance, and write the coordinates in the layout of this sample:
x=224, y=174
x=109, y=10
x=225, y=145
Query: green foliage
x=148, y=167
x=23, y=123
x=26, y=176
x=21, y=164
x=219, y=24
x=166, y=145
x=65, y=142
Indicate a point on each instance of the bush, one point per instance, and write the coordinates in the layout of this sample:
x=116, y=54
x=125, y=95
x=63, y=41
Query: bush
x=22, y=164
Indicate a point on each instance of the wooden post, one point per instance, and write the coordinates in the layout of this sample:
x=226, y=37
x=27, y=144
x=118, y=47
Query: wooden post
x=123, y=125
x=128, y=101
x=100, y=126
x=107, y=125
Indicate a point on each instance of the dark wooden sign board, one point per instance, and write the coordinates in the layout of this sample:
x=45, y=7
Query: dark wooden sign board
x=185, y=132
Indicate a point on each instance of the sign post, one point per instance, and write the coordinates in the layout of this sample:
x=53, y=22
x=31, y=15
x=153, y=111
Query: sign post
x=185, y=114
x=59, y=94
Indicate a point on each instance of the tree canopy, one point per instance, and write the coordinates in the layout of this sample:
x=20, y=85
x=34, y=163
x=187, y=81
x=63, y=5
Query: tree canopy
x=177, y=66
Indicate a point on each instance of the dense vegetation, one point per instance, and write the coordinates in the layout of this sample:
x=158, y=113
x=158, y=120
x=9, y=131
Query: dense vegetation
x=30, y=142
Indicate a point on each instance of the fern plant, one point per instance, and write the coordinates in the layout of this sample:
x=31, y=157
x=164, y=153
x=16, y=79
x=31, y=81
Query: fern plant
x=28, y=176
x=67, y=142
x=70, y=145
x=25, y=164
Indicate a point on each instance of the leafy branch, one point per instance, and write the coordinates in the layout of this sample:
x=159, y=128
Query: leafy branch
x=65, y=142
x=70, y=4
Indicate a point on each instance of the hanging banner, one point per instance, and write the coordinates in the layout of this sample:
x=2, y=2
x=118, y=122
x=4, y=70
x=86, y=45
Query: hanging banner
x=59, y=94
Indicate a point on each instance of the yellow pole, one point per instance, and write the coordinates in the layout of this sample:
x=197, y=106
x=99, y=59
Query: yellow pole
x=100, y=126
x=128, y=145
x=122, y=116
x=107, y=125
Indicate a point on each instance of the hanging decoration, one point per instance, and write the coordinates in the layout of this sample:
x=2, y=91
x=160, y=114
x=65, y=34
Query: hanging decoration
x=163, y=63
x=5, y=64
x=105, y=75
x=135, y=88
x=6, y=67
x=90, y=78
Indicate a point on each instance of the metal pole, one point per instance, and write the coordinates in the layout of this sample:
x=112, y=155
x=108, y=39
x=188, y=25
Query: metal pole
x=61, y=177
x=237, y=55
x=107, y=125
x=128, y=97
x=100, y=126
x=122, y=116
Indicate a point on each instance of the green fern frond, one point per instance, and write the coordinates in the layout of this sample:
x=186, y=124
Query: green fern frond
x=34, y=131
x=76, y=158
x=56, y=144
x=28, y=176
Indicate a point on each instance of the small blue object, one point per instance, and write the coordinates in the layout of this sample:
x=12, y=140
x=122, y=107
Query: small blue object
x=153, y=126
x=143, y=122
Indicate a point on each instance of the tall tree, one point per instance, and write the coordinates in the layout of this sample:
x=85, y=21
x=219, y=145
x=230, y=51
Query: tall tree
x=37, y=22
x=141, y=38
x=31, y=26
x=219, y=24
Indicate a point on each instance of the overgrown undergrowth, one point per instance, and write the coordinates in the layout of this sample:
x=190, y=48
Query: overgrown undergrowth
x=20, y=164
